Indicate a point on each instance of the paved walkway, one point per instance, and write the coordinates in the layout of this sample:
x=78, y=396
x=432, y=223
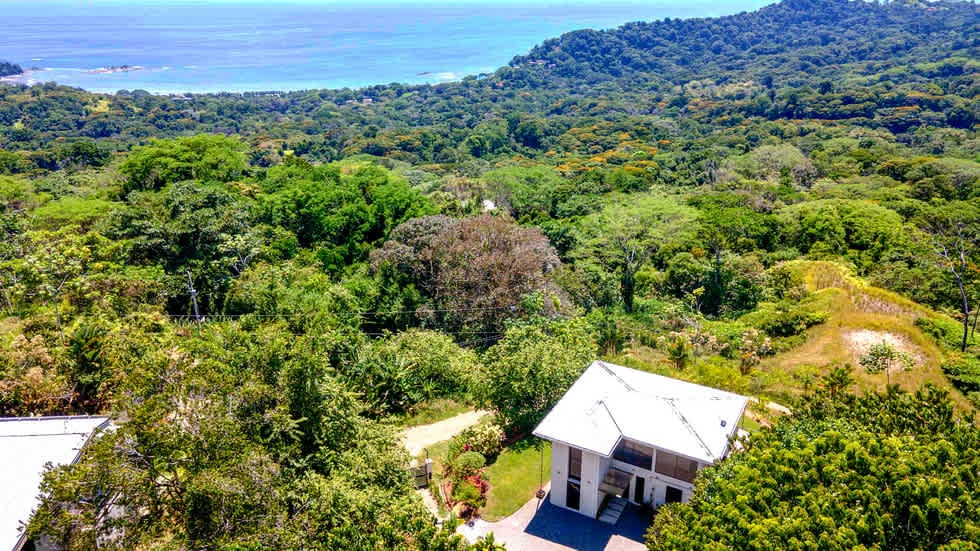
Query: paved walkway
x=540, y=526
x=418, y=438
x=428, y=500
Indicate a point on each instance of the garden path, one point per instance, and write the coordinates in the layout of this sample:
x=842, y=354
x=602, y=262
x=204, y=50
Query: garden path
x=416, y=439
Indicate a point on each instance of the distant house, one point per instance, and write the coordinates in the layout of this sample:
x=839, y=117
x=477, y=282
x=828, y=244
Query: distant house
x=621, y=435
x=27, y=444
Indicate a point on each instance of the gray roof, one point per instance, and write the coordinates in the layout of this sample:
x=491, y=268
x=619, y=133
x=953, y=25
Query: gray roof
x=609, y=402
x=26, y=445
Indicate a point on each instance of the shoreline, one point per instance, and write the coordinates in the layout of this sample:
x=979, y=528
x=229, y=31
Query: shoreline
x=253, y=62
x=19, y=78
x=114, y=69
x=34, y=76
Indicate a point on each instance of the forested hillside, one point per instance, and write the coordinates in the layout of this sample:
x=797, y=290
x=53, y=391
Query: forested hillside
x=263, y=288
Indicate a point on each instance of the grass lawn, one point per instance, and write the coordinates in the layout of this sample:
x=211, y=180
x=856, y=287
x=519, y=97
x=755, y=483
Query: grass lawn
x=515, y=476
x=749, y=424
x=437, y=452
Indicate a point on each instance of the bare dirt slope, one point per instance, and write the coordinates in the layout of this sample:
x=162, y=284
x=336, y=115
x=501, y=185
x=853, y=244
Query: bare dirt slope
x=858, y=316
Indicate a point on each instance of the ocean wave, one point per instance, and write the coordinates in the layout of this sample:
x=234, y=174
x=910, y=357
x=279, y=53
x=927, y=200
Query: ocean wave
x=114, y=69
x=27, y=77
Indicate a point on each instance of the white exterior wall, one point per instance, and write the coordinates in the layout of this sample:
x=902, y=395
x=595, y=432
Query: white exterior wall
x=604, y=464
x=658, y=492
x=637, y=472
x=657, y=485
x=594, y=469
x=592, y=474
x=590, y=484
x=559, y=476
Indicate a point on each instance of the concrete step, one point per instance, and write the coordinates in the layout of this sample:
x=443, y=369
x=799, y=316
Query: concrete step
x=612, y=489
x=616, y=505
x=613, y=510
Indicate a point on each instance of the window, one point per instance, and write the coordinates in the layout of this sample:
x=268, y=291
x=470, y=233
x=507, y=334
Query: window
x=634, y=453
x=674, y=495
x=676, y=466
x=575, y=463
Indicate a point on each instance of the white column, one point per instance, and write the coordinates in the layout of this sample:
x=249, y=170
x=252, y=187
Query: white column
x=590, y=484
x=559, y=474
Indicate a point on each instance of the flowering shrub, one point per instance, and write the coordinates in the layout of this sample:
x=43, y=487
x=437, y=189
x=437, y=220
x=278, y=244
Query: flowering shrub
x=753, y=347
x=479, y=482
x=485, y=439
x=464, y=472
x=470, y=494
x=467, y=464
x=463, y=467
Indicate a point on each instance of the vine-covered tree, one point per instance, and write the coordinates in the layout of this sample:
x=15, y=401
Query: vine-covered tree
x=477, y=271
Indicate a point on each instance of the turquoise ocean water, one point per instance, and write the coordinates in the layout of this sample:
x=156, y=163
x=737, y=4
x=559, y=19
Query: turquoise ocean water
x=245, y=45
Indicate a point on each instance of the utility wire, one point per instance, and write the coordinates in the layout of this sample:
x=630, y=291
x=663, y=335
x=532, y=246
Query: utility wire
x=353, y=312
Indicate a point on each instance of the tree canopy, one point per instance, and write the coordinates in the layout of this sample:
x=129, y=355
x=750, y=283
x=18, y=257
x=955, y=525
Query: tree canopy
x=891, y=471
x=263, y=289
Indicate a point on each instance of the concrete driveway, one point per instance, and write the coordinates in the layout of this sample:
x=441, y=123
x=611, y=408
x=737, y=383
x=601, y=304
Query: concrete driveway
x=542, y=526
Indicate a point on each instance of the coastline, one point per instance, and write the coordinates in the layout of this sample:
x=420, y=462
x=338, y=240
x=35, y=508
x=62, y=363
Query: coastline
x=21, y=78
x=303, y=46
x=35, y=76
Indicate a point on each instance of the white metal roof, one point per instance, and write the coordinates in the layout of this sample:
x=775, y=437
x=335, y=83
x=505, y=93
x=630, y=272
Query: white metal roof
x=26, y=445
x=609, y=402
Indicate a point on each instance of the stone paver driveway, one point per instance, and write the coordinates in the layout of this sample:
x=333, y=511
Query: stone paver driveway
x=542, y=526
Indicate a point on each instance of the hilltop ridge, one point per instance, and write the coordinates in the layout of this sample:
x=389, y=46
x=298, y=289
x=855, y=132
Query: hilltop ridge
x=824, y=35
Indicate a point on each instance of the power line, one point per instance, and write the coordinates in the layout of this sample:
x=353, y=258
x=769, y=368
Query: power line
x=479, y=336
x=355, y=312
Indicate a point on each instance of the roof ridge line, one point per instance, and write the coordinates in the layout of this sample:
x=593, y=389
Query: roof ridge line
x=630, y=388
x=612, y=417
x=689, y=427
x=603, y=365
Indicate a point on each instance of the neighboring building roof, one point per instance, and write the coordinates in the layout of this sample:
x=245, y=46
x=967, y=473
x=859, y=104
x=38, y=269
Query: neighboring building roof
x=26, y=445
x=609, y=402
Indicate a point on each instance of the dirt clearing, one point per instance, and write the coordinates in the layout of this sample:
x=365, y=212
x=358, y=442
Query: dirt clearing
x=860, y=341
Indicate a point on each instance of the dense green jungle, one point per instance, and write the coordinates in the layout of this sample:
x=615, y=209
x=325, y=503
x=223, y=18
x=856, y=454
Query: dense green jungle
x=264, y=289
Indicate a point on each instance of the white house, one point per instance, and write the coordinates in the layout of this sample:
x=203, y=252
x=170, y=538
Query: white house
x=27, y=444
x=620, y=434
